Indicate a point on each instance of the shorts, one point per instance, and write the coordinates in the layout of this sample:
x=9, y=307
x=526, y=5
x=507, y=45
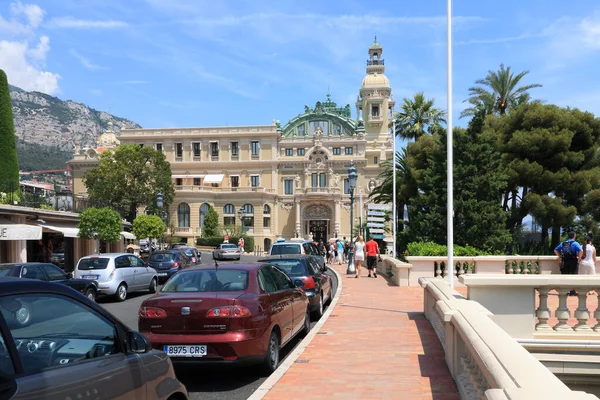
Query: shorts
x=371, y=262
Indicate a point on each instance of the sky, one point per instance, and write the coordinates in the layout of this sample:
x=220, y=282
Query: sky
x=187, y=63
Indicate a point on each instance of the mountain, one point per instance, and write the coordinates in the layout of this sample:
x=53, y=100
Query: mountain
x=49, y=121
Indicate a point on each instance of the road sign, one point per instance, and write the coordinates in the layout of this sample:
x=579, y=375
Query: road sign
x=381, y=207
x=375, y=219
x=376, y=213
x=375, y=225
x=378, y=236
x=375, y=230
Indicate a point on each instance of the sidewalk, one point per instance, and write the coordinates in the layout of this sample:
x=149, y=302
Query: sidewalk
x=376, y=344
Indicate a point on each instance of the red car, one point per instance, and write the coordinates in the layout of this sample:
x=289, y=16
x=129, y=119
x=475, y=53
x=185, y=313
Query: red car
x=223, y=314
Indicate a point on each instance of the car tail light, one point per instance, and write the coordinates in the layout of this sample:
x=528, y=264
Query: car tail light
x=193, y=259
x=176, y=264
x=309, y=282
x=152, y=312
x=228, y=311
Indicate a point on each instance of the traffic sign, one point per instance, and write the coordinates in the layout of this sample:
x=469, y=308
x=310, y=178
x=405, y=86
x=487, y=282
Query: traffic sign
x=378, y=236
x=376, y=213
x=373, y=230
x=381, y=207
x=375, y=225
x=375, y=219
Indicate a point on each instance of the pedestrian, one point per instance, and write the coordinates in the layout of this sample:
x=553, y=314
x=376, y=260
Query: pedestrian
x=587, y=266
x=569, y=254
x=359, y=254
x=322, y=249
x=340, y=251
x=372, y=255
x=241, y=245
x=346, y=248
x=330, y=253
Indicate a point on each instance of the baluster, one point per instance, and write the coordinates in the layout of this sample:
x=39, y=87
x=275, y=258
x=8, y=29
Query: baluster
x=444, y=268
x=466, y=268
x=457, y=269
x=597, y=312
x=562, y=312
x=437, y=268
x=543, y=312
x=582, y=313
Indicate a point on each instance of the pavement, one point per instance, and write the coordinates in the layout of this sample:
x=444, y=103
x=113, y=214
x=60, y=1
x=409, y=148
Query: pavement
x=376, y=344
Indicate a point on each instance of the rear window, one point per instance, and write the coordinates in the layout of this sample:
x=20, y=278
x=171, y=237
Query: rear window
x=92, y=263
x=189, y=252
x=229, y=246
x=224, y=280
x=277, y=249
x=291, y=267
x=4, y=271
x=160, y=257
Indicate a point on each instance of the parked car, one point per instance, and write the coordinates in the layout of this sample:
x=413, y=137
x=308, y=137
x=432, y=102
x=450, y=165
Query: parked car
x=58, y=257
x=193, y=254
x=227, y=251
x=315, y=281
x=174, y=246
x=230, y=314
x=117, y=274
x=71, y=346
x=293, y=248
x=50, y=273
x=168, y=262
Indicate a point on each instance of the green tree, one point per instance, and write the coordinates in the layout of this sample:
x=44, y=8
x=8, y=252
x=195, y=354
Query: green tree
x=418, y=116
x=211, y=223
x=9, y=164
x=498, y=92
x=100, y=223
x=148, y=226
x=130, y=177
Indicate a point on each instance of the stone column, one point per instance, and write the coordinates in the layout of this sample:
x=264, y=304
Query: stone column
x=275, y=224
x=337, y=217
x=298, y=222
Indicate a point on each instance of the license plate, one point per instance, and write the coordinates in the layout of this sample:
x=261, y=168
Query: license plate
x=90, y=277
x=185, y=350
x=162, y=274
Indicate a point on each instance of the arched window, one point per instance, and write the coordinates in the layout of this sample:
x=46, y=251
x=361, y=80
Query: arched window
x=248, y=217
x=267, y=218
x=203, y=210
x=183, y=215
x=249, y=209
x=228, y=215
x=267, y=210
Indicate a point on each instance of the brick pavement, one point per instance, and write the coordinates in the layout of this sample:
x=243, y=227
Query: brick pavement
x=377, y=344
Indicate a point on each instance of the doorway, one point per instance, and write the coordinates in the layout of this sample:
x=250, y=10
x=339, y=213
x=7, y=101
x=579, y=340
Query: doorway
x=319, y=229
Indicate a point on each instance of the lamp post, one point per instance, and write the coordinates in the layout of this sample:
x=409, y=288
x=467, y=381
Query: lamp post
x=242, y=216
x=160, y=203
x=352, y=177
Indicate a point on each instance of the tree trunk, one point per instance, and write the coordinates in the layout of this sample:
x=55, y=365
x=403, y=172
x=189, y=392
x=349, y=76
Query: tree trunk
x=555, y=236
x=505, y=202
x=544, y=240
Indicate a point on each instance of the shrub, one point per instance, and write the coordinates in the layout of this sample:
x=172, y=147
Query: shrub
x=434, y=249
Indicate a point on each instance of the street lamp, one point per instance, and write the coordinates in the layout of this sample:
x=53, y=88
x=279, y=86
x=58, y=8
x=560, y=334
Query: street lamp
x=242, y=216
x=352, y=177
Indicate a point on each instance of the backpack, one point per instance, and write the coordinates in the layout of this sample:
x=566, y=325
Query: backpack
x=567, y=251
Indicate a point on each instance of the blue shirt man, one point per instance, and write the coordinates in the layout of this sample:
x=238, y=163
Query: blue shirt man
x=569, y=265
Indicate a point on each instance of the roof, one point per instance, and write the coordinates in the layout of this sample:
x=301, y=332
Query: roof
x=229, y=266
x=376, y=80
x=109, y=255
x=10, y=285
x=286, y=257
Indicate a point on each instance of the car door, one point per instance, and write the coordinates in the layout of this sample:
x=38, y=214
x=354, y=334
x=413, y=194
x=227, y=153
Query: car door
x=293, y=295
x=71, y=352
x=321, y=277
x=125, y=272
x=141, y=276
x=281, y=302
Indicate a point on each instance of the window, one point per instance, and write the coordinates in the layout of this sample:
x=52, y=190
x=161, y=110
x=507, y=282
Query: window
x=324, y=125
x=300, y=152
x=349, y=151
x=203, y=210
x=255, y=148
x=196, y=148
x=337, y=151
x=183, y=215
x=222, y=280
x=179, y=150
x=301, y=130
x=159, y=147
x=254, y=181
x=178, y=181
x=32, y=272
x=6, y=367
x=196, y=181
x=53, y=272
x=214, y=149
x=235, y=181
x=235, y=149
x=288, y=185
x=374, y=160
x=266, y=280
x=65, y=320
x=267, y=216
x=283, y=281
x=337, y=130
x=228, y=215
x=289, y=152
x=375, y=111
x=322, y=180
x=314, y=180
x=248, y=220
x=229, y=209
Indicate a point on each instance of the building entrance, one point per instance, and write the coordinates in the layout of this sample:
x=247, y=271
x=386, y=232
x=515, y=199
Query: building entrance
x=319, y=229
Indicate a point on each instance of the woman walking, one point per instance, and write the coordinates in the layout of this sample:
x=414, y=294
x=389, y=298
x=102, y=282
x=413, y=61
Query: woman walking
x=359, y=254
x=587, y=265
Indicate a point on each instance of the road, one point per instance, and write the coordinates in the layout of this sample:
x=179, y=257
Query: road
x=204, y=383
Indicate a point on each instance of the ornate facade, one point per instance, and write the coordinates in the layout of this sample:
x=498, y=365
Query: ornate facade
x=290, y=180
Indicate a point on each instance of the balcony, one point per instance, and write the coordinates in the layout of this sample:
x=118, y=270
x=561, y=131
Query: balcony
x=210, y=189
x=325, y=190
x=375, y=62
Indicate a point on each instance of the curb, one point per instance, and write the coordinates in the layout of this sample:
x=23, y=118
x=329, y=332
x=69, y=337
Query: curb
x=268, y=384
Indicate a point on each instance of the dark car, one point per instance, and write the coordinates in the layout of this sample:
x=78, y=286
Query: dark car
x=175, y=246
x=230, y=314
x=51, y=273
x=58, y=257
x=193, y=254
x=55, y=343
x=168, y=262
x=315, y=281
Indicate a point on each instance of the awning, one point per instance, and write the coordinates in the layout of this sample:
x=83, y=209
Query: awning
x=10, y=230
x=67, y=230
x=218, y=178
x=128, y=235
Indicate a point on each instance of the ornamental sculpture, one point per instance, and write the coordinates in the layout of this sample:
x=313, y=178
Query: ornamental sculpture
x=317, y=212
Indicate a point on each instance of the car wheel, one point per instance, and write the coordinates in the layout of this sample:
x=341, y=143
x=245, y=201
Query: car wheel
x=318, y=313
x=238, y=259
x=153, y=286
x=90, y=294
x=121, y=292
x=306, y=327
x=272, y=356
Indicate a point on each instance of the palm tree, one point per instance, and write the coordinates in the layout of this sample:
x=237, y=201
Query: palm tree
x=498, y=92
x=418, y=116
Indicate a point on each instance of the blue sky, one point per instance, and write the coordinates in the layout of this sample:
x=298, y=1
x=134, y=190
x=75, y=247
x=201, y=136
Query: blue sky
x=176, y=63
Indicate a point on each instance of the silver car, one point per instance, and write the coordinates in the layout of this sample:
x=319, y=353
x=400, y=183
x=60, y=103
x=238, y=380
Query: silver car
x=117, y=274
x=227, y=251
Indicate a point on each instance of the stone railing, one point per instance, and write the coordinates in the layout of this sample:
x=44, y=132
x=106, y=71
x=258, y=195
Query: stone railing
x=484, y=360
x=540, y=307
x=192, y=188
x=396, y=270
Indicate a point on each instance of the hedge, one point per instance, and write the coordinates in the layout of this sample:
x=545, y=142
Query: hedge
x=215, y=241
x=434, y=249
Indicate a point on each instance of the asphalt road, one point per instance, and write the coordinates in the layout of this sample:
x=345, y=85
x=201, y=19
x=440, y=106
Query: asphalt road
x=205, y=383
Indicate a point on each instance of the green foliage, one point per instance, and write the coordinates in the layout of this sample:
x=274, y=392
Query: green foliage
x=100, y=223
x=418, y=116
x=434, y=249
x=36, y=157
x=9, y=164
x=130, y=177
x=211, y=224
x=215, y=241
x=148, y=226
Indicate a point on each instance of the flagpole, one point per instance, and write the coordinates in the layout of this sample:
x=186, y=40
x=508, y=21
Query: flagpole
x=450, y=159
x=394, y=211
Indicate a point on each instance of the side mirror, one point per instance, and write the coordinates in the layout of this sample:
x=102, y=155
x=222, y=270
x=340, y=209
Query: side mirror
x=69, y=275
x=138, y=343
x=298, y=283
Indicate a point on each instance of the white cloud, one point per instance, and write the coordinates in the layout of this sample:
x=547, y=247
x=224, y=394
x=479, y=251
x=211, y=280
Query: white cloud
x=41, y=50
x=15, y=25
x=572, y=38
x=86, y=62
x=70, y=22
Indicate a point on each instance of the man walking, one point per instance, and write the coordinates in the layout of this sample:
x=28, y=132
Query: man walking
x=372, y=249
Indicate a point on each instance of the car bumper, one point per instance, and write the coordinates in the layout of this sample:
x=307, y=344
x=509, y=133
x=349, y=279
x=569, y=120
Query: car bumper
x=163, y=275
x=107, y=288
x=229, y=256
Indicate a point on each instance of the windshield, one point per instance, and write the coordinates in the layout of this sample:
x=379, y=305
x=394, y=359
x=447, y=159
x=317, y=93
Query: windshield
x=161, y=257
x=92, y=263
x=224, y=280
x=189, y=252
x=285, y=249
x=291, y=267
